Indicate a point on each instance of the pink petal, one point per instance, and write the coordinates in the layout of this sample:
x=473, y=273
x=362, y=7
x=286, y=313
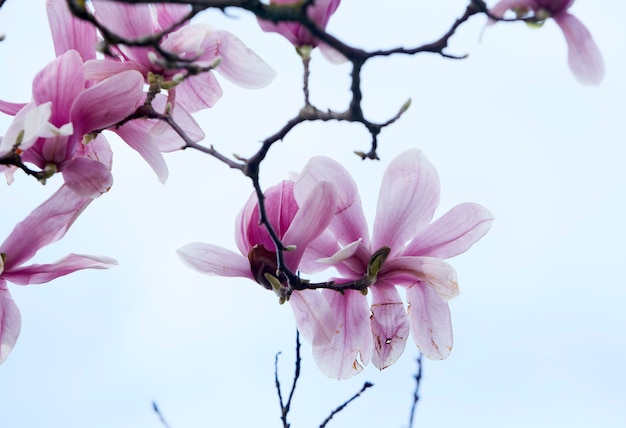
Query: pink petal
x=39, y=274
x=408, y=197
x=137, y=137
x=429, y=316
x=502, y=6
x=69, y=32
x=439, y=275
x=390, y=325
x=584, y=57
x=100, y=69
x=214, y=260
x=198, y=92
x=170, y=14
x=452, y=234
x=87, y=177
x=11, y=108
x=164, y=135
x=107, y=102
x=10, y=322
x=46, y=224
x=126, y=20
x=351, y=347
x=314, y=318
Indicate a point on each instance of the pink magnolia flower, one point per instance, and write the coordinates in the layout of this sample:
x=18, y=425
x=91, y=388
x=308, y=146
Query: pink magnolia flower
x=196, y=42
x=297, y=224
x=415, y=248
x=584, y=57
x=320, y=13
x=46, y=224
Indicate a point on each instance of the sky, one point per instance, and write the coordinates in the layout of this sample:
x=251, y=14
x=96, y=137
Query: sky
x=540, y=335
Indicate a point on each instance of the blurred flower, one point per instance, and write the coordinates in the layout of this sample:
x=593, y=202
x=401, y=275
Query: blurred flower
x=405, y=250
x=46, y=224
x=584, y=57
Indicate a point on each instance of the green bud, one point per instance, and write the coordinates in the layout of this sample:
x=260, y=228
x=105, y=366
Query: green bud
x=376, y=262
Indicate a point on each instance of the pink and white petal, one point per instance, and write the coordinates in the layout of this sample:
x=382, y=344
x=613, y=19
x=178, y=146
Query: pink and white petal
x=409, y=195
x=198, y=92
x=584, y=57
x=135, y=135
x=349, y=224
x=242, y=223
x=10, y=322
x=163, y=135
x=69, y=32
x=439, y=275
x=239, y=64
x=11, y=108
x=390, y=325
x=46, y=224
x=452, y=234
x=431, y=326
x=171, y=14
x=98, y=150
x=60, y=82
x=107, y=102
x=500, y=8
x=100, y=69
x=313, y=217
x=87, y=177
x=314, y=318
x=332, y=55
x=131, y=21
x=39, y=274
x=350, y=349
x=213, y=260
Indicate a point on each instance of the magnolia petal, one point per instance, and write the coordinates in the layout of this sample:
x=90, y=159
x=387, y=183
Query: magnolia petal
x=197, y=93
x=10, y=322
x=351, y=346
x=166, y=138
x=431, y=326
x=135, y=135
x=171, y=14
x=390, y=325
x=39, y=274
x=46, y=224
x=409, y=194
x=500, y=8
x=452, y=234
x=87, y=177
x=11, y=108
x=436, y=273
x=213, y=260
x=332, y=55
x=100, y=69
x=310, y=221
x=314, y=318
x=131, y=21
x=69, y=32
x=107, y=102
x=584, y=57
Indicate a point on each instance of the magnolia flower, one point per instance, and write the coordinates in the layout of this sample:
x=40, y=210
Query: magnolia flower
x=408, y=252
x=46, y=224
x=199, y=43
x=320, y=13
x=297, y=224
x=584, y=57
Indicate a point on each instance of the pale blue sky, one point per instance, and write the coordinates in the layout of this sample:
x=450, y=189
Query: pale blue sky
x=539, y=326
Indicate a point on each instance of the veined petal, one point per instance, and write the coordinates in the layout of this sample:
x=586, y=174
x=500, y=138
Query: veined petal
x=131, y=21
x=390, y=325
x=584, y=57
x=11, y=108
x=170, y=14
x=409, y=195
x=214, y=260
x=87, y=177
x=100, y=69
x=198, y=92
x=46, y=224
x=431, y=326
x=10, y=322
x=351, y=347
x=137, y=137
x=39, y=274
x=69, y=32
x=314, y=318
x=436, y=273
x=452, y=234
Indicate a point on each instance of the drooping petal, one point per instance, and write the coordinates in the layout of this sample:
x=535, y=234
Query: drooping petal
x=314, y=318
x=431, y=326
x=583, y=56
x=69, y=32
x=39, y=274
x=137, y=137
x=11, y=108
x=46, y=224
x=350, y=349
x=198, y=92
x=452, y=234
x=436, y=273
x=10, y=322
x=390, y=325
x=87, y=177
x=107, y=102
x=409, y=194
x=214, y=260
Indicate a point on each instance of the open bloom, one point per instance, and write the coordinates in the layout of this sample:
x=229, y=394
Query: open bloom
x=46, y=224
x=409, y=248
x=584, y=57
x=297, y=224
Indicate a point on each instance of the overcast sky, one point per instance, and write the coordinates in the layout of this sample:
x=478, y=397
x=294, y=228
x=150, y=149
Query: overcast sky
x=539, y=325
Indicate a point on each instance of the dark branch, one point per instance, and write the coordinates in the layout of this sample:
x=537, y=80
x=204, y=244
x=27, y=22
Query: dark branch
x=340, y=408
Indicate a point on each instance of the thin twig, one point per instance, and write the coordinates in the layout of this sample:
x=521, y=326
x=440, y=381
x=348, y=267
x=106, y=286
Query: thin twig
x=158, y=412
x=416, y=397
x=286, y=407
x=340, y=408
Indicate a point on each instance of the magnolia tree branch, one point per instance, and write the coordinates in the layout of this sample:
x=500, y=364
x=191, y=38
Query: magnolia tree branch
x=416, y=397
x=286, y=407
x=366, y=385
